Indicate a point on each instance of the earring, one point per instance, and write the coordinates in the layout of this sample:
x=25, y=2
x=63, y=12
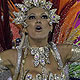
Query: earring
x=50, y=23
x=51, y=31
x=26, y=42
x=26, y=33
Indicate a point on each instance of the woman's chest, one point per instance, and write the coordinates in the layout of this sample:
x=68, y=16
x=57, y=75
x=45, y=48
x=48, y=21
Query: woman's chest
x=29, y=68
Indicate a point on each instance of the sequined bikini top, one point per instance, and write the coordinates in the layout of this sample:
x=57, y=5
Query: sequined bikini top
x=41, y=57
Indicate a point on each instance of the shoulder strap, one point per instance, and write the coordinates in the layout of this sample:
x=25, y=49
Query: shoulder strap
x=18, y=63
x=56, y=55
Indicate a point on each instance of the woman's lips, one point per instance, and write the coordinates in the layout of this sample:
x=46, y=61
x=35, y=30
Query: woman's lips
x=38, y=28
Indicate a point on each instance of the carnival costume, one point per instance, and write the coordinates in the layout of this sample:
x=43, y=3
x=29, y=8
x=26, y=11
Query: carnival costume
x=40, y=54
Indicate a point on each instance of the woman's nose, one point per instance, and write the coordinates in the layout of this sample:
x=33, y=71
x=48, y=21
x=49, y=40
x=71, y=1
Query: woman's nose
x=38, y=21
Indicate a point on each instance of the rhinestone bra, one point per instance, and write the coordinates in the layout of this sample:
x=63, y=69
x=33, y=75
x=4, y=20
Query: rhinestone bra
x=41, y=57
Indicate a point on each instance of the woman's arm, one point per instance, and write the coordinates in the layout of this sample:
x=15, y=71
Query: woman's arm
x=69, y=52
x=8, y=61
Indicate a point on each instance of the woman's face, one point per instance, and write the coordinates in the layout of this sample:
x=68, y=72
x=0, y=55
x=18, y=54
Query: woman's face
x=38, y=23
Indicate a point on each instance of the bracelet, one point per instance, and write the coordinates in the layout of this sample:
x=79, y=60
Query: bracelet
x=75, y=53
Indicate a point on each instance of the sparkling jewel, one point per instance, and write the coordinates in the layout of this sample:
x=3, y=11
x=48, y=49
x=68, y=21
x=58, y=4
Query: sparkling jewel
x=51, y=76
x=48, y=5
x=41, y=55
x=36, y=57
x=36, y=63
x=44, y=77
x=1, y=60
x=28, y=76
x=38, y=77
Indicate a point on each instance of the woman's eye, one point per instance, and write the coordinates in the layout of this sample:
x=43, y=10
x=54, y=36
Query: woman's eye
x=44, y=17
x=31, y=17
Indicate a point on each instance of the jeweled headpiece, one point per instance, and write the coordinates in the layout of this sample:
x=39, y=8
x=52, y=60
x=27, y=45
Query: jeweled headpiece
x=29, y=4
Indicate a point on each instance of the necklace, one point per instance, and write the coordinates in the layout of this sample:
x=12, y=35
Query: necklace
x=41, y=55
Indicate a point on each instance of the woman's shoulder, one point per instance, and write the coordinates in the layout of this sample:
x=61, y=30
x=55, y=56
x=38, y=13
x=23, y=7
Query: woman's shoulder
x=9, y=51
x=64, y=47
x=9, y=56
x=65, y=51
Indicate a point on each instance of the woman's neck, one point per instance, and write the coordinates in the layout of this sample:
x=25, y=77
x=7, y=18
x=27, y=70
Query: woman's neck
x=38, y=42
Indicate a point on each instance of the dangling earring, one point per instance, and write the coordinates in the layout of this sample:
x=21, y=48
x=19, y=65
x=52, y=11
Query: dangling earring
x=26, y=44
x=26, y=33
x=26, y=40
x=22, y=40
x=50, y=23
x=51, y=31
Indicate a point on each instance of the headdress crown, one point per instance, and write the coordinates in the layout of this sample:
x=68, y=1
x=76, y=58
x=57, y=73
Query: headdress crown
x=28, y=4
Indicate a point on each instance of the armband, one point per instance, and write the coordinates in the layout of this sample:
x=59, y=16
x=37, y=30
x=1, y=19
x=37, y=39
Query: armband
x=75, y=53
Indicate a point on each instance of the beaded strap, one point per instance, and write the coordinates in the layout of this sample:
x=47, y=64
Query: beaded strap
x=56, y=55
x=18, y=63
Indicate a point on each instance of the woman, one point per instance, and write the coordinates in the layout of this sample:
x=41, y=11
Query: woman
x=35, y=58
